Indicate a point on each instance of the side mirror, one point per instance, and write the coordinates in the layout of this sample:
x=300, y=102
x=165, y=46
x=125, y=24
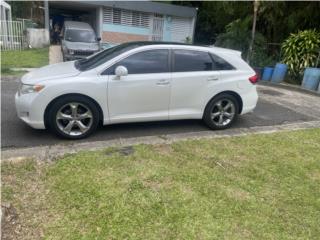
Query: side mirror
x=98, y=39
x=121, y=71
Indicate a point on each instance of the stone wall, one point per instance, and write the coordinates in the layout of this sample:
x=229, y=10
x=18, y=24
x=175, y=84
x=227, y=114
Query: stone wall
x=38, y=37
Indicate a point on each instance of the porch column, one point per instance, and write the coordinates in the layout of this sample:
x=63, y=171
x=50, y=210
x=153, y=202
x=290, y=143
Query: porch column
x=99, y=19
x=46, y=15
x=194, y=21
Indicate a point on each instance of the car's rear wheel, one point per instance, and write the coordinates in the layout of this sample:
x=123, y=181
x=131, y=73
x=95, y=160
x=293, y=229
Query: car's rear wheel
x=73, y=117
x=221, y=111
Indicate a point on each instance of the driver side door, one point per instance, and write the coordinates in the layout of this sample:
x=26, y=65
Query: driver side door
x=144, y=94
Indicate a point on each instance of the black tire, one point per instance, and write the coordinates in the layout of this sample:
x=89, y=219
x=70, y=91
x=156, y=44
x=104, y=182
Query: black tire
x=83, y=104
x=210, y=108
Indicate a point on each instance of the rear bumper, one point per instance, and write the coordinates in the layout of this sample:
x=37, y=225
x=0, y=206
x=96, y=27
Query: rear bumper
x=249, y=101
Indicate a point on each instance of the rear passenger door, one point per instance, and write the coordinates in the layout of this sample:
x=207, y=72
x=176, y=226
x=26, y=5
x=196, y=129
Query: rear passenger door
x=192, y=72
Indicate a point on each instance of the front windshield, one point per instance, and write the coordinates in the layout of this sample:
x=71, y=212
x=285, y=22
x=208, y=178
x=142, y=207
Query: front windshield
x=104, y=56
x=78, y=35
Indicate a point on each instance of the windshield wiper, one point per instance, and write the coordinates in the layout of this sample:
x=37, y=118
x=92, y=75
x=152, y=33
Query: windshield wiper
x=78, y=64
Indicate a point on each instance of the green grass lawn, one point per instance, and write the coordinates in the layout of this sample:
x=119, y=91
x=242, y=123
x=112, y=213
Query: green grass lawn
x=30, y=58
x=251, y=187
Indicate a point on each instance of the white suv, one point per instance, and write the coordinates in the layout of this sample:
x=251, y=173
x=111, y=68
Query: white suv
x=135, y=82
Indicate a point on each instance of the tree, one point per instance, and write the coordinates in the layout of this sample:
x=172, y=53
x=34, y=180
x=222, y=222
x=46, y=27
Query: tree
x=32, y=10
x=255, y=11
x=20, y=9
x=276, y=19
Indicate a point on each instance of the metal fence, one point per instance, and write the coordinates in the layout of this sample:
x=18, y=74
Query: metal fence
x=12, y=35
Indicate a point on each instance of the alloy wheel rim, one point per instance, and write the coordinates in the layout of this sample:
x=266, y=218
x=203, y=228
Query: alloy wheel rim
x=74, y=119
x=223, y=112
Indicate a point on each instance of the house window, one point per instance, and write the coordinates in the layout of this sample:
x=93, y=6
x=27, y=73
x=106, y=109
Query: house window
x=116, y=17
x=126, y=17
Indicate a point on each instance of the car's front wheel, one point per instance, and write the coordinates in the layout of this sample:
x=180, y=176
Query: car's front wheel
x=73, y=117
x=221, y=111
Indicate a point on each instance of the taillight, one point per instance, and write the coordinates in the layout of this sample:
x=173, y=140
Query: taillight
x=254, y=79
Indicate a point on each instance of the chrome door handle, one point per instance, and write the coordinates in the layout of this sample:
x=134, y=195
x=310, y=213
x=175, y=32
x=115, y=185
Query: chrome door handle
x=163, y=82
x=213, y=78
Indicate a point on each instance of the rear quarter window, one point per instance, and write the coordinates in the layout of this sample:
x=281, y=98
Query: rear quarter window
x=220, y=64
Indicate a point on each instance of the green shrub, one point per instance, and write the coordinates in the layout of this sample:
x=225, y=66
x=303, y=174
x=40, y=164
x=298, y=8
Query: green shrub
x=301, y=50
x=237, y=36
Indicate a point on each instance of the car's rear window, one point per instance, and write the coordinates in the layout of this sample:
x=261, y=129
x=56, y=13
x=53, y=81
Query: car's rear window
x=220, y=64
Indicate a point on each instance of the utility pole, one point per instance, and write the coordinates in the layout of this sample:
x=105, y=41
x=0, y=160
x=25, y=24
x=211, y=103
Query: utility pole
x=255, y=12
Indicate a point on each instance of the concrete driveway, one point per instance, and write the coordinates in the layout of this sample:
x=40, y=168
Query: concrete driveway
x=276, y=106
x=55, y=54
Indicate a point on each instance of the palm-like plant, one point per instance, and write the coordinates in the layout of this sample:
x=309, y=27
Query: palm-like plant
x=300, y=51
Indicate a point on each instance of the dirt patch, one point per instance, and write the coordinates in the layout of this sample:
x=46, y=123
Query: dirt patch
x=157, y=185
x=238, y=231
x=237, y=194
x=24, y=213
x=314, y=175
x=165, y=149
x=124, y=151
x=271, y=92
x=10, y=225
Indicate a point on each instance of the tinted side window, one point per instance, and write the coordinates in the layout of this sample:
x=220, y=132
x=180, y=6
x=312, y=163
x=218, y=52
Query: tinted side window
x=220, y=64
x=151, y=61
x=191, y=61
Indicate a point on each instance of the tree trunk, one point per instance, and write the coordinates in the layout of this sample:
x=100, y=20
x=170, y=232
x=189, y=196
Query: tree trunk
x=255, y=11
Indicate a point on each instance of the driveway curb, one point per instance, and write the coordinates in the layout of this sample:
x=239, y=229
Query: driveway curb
x=289, y=87
x=49, y=153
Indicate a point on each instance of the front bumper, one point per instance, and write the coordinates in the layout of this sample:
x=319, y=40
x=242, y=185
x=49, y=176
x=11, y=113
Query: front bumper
x=71, y=57
x=26, y=110
x=68, y=57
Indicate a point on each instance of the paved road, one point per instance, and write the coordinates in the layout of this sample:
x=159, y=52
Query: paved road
x=14, y=133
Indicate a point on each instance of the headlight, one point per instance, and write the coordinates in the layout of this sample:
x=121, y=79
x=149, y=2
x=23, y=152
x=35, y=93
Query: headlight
x=71, y=51
x=27, y=88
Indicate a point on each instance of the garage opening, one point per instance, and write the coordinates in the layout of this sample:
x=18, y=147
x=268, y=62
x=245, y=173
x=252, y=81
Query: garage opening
x=69, y=11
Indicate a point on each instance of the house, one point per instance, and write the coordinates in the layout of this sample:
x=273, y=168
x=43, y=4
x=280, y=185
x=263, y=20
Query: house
x=122, y=21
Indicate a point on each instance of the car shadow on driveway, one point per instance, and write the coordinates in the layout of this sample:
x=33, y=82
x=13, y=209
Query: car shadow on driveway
x=17, y=134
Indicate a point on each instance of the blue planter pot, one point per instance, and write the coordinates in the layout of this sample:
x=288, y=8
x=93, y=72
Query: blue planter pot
x=279, y=73
x=267, y=73
x=311, y=79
